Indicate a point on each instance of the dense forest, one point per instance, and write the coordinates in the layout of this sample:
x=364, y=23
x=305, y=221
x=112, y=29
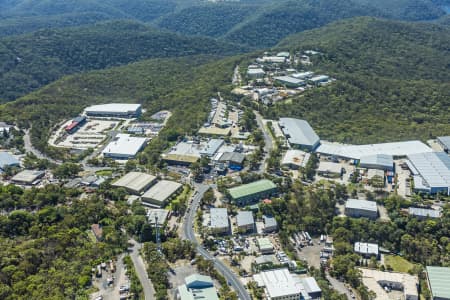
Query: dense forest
x=30, y=61
x=46, y=250
x=267, y=24
x=392, y=81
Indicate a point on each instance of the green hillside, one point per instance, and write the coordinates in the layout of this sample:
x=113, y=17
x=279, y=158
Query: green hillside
x=30, y=61
x=392, y=81
x=262, y=24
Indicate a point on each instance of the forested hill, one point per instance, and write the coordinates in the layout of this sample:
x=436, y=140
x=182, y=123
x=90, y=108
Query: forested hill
x=30, y=61
x=21, y=16
x=262, y=25
x=392, y=81
x=369, y=46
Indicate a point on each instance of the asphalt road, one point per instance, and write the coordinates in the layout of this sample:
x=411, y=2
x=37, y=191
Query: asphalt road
x=188, y=233
x=339, y=286
x=268, y=143
x=29, y=148
x=141, y=272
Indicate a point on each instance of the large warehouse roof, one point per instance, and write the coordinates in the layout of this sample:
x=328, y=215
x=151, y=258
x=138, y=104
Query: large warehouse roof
x=434, y=168
x=299, y=132
x=357, y=151
x=251, y=188
x=361, y=204
x=7, y=159
x=439, y=280
x=383, y=161
x=162, y=190
x=121, y=108
x=125, y=145
x=135, y=181
x=278, y=283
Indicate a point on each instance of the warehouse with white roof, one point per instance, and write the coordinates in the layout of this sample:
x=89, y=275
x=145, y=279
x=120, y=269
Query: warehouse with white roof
x=114, y=110
x=383, y=162
x=361, y=208
x=397, y=149
x=219, y=223
x=161, y=192
x=124, y=146
x=295, y=159
x=280, y=284
x=135, y=182
x=299, y=133
x=431, y=172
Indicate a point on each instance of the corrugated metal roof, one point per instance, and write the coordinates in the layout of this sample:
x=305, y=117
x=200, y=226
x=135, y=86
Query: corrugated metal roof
x=361, y=204
x=113, y=108
x=135, y=181
x=251, y=188
x=433, y=167
x=219, y=217
x=366, y=248
x=244, y=218
x=384, y=161
x=357, y=151
x=162, y=190
x=424, y=212
x=299, y=132
x=6, y=159
x=439, y=279
x=445, y=140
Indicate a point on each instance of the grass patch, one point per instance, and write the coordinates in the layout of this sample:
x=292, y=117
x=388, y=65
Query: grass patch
x=398, y=263
x=105, y=173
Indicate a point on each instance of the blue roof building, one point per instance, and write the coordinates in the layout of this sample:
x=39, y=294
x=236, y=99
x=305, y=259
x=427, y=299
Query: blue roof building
x=7, y=160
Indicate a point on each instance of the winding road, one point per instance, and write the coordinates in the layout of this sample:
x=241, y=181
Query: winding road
x=188, y=233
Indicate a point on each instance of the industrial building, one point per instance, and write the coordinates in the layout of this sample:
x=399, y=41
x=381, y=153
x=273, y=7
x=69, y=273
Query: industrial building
x=444, y=142
x=361, y=208
x=186, y=153
x=198, y=287
x=255, y=73
x=219, y=223
x=317, y=80
x=135, y=182
x=303, y=75
x=265, y=245
x=367, y=249
x=270, y=224
x=124, y=146
x=295, y=159
x=329, y=169
x=381, y=282
x=234, y=160
x=159, y=194
x=114, y=110
x=424, y=213
x=383, y=162
x=245, y=221
x=290, y=82
x=431, y=172
x=157, y=215
x=438, y=279
x=76, y=123
x=272, y=59
x=250, y=193
x=8, y=160
x=28, y=177
x=397, y=149
x=279, y=284
x=299, y=134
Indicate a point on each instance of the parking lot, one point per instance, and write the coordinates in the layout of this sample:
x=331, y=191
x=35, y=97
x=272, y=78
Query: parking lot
x=89, y=135
x=111, y=284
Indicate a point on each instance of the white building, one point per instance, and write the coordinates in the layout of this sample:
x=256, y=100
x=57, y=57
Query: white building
x=115, y=110
x=124, y=146
x=161, y=192
x=219, y=222
x=279, y=284
x=361, y=208
x=366, y=249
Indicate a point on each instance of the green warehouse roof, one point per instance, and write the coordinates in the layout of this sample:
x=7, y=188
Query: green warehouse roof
x=439, y=279
x=251, y=188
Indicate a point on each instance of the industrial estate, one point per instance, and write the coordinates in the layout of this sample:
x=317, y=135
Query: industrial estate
x=231, y=190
